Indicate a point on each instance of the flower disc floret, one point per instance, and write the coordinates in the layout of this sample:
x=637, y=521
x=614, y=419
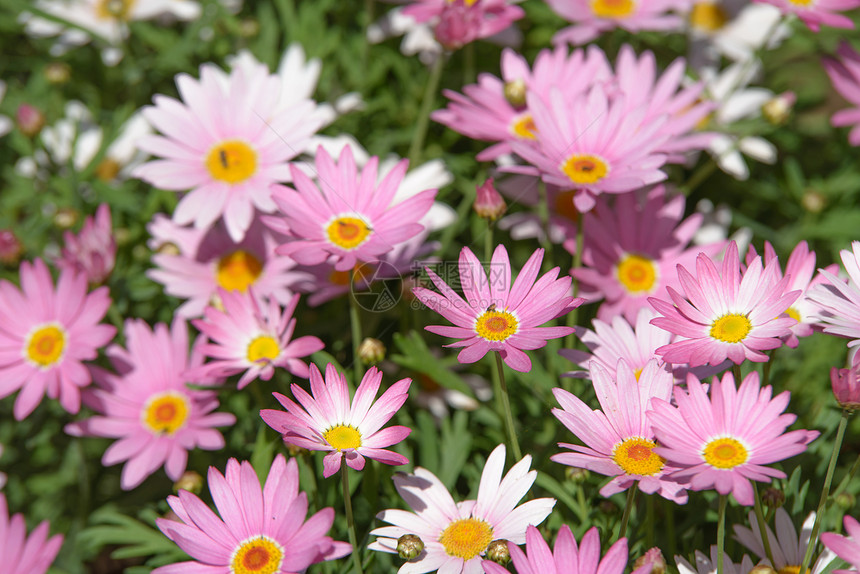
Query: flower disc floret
x=343, y=437
x=726, y=452
x=466, y=538
x=636, y=455
x=231, y=161
x=257, y=555
x=496, y=325
x=45, y=345
x=613, y=8
x=348, y=232
x=637, y=273
x=166, y=412
x=238, y=270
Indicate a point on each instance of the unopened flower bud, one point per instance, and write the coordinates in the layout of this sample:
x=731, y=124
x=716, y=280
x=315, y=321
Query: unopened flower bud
x=813, y=201
x=489, y=204
x=371, y=351
x=772, y=497
x=653, y=557
x=168, y=248
x=295, y=451
x=65, y=217
x=57, y=72
x=762, y=569
x=190, y=481
x=498, y=552
x=409, y=546
x=845, y=500
x=515, y=93
x=10, y=247
x=458, y=25
x=249, y=27
x=777, y=109
x=846, y=387
x=576, y=475
x=29, y=119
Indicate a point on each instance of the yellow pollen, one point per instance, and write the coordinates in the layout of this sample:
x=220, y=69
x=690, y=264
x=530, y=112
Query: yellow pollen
x=238, y=270
x=114, y=9
x=708, y=16
x=564, y=205
x=348, y=232
x=232, y=161
x=584, y=169
x=165, y=412
x=637, y=274
x=613, y=8
x=466, y=538
x=45, y=345
x=793, y=313
x=523, y=126
x=731, y=328
x=725, y=453
x=264, y=348
x=107, y=169
x=635, y=455
x=257, y=555
x=496, y=325
x=342, y=437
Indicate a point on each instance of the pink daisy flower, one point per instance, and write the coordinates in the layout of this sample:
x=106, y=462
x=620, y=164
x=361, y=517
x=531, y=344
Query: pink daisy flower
x=350, y=430
x=456, y=535
x=348, y=217
x=800, y=267
x=258, y=530
x=193, y=264
x=226, y=142
x=252, y=337
x=724, y=314
x=595, y=17
x=566, y=557
x=632, y=249
x=93, y=251
x=460, y=22
x=46, y=334
x=838, y=301
x=23, y=554
x=148, y=406
x=846, y=547
x=496, y=316
x=619, y=439
x=708, y=564
x=816, y=13
x=722, y=442
x=844, y=74
x=592, y=143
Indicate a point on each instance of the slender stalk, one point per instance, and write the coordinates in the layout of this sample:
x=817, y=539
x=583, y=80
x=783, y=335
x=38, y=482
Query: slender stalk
x=736, y=371
x=417, y=145
x=350, y=521
x=573, y=316
x=669, y=510
x=848, y=478
x=508, y=417
x=368, y=22
x=699, y=176
x=762, y=525
x=649, y=521
x=358, y=369
x=837, y=446
x=580, y=499
x=468, y=63
x=628, y=508
x=543, y=213
x=488, y=243
x=721, y=532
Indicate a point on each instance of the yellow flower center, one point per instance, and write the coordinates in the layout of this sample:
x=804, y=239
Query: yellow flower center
x=263, y=348
x=731, y=328
x=613, y=8
x=637, y=273
x=114, y=9
x=238, y=270
x=496, y=325
x=793, y=313
x=466, y=2
x=523, y=126
x=725, y=452
x=107, y=169
x=708, y=16
x=342, y=437
x=257, y=555
x=802, y=2
x=232, y=161
x=635, y=455
x=466, y=538
x=348, y=232
x=165, y=412
x=790, y=569
x=585, y=169
x=45, y=345
x=564, y=205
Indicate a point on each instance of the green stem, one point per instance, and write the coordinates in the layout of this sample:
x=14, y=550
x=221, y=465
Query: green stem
x=669, y=510
x=506, y=408
x=628, y=508
x=721, y=532
x=762, y=525
x=368, y=15
x=488, y=243
x=543, y=213
x=649, y=521
x=837, y=445
x=580, y=499
x=468, y=63
x=736, y=370
x=573, y=316
x=848, y=478
x=417, y=145
x=350, y=522
x=358, y=369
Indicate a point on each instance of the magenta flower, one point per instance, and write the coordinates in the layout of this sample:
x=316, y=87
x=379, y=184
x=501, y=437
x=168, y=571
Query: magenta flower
x=349, y=217
x=456, y=535
x=47, y=334
x=632, y=249
x=252, y=336
x=226, y=142
x=725, y=314
x=497, y=316
x=846, y=547
x=93, y=251
x=816, y=13
x=460, y=22
x=566, y=557
x=24, y=554
x=619, y=440
x=724, y=441
x=838, y=301
x=595, y=17
x=148, y=406
x=259, y=529
x=844, y=74
x=351, y=430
